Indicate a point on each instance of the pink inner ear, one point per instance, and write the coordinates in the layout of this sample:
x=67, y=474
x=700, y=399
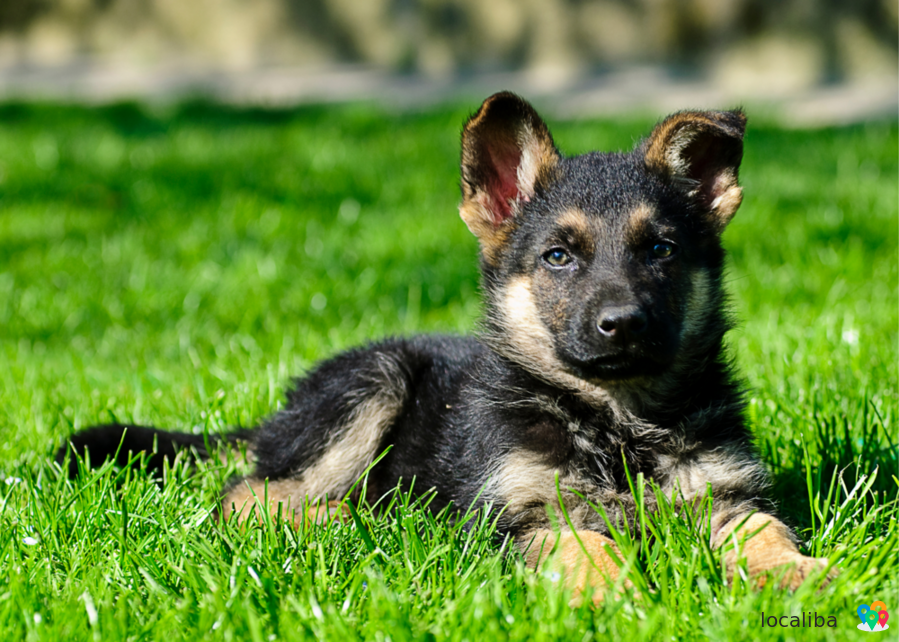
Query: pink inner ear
x=720, y=183
x=709, y=166
x=503, y=186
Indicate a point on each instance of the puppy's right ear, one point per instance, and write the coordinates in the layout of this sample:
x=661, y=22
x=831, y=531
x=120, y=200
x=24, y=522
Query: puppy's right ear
x=507, y=154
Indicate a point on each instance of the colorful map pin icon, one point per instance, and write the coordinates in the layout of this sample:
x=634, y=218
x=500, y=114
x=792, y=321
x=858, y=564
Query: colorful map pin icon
x=862, y=612
x=884, y=616
x=872, y=619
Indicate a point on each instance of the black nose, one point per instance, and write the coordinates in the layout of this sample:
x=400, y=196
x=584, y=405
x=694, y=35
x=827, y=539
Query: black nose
x=622, y=323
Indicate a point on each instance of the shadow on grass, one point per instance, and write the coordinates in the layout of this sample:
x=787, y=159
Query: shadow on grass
x=845, y=450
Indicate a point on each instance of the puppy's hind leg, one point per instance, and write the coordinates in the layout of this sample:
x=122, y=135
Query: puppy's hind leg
x=338, y=420
x=284, y=499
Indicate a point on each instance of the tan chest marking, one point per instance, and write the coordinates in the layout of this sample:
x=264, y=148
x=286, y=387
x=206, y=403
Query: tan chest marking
x=525, y=485
x=724, y=468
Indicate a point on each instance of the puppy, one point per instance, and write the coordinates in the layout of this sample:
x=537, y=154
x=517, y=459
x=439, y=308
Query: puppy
x=601, y=356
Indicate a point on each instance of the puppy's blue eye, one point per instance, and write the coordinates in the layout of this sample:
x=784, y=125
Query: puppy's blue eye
x=663, y=250
x=557, y=257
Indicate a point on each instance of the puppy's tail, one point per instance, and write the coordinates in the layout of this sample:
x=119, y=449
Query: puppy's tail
x=122, y=442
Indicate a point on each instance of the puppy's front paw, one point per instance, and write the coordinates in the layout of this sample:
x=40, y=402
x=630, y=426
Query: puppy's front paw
x=793, y=572
x=601, y=591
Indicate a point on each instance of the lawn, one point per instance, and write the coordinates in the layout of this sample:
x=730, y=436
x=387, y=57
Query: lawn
x=176, y=266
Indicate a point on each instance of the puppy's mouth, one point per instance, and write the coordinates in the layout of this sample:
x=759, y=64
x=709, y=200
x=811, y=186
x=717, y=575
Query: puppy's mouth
x=619, y=366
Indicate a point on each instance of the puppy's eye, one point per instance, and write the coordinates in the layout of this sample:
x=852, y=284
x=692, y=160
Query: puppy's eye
x=663, y=250
x=557, y=257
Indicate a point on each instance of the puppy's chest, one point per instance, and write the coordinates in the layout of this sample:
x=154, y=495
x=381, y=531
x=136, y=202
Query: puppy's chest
x=579, y=461
x=593, y=448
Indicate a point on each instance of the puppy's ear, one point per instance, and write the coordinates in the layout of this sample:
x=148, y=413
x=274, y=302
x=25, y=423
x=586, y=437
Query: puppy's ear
x=701, y=153
x=507, y=155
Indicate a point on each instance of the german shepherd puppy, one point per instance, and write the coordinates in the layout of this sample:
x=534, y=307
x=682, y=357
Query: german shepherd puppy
x=601, y=356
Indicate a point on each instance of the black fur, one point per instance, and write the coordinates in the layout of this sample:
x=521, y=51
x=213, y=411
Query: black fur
x=121, y=442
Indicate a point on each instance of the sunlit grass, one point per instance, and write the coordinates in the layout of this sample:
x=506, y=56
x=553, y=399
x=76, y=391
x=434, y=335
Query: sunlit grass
x=175, y=267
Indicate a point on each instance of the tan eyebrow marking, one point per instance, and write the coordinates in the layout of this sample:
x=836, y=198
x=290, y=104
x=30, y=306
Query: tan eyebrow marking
x=575, y=221
x=639, y=220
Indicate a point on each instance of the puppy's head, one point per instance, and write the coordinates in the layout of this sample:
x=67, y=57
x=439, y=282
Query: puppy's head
x=601, y=268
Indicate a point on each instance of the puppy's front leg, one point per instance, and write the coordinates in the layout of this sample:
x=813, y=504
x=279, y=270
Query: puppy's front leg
x=771, y=549
x=591, y=565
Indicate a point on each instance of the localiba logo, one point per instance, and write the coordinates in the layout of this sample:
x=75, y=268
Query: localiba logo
x=874, y=617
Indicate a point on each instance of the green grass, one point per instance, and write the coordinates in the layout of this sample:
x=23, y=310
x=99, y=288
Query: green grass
x=176, y=266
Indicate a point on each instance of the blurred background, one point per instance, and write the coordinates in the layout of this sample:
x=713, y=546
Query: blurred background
x=814, y=60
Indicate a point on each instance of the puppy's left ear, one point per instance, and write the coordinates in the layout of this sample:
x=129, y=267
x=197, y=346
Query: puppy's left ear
x=701, y=152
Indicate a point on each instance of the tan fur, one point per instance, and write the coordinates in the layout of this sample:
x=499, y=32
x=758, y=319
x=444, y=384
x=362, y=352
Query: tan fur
x=529, y=343
x=577, y=222
x=523, y=479
x=771, y=549
x=346, y=459
x=533, y=343
x=669, y=139
x=639, y=218
x=524, y=485
x=538, y=156
x=585, y=564
x=342, y=464
x=725, y=467
x=286, y=501
x=476, y=214
x=727, y=204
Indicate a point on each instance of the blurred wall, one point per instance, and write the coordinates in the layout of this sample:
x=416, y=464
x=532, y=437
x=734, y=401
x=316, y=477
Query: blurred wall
x=793, y=42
